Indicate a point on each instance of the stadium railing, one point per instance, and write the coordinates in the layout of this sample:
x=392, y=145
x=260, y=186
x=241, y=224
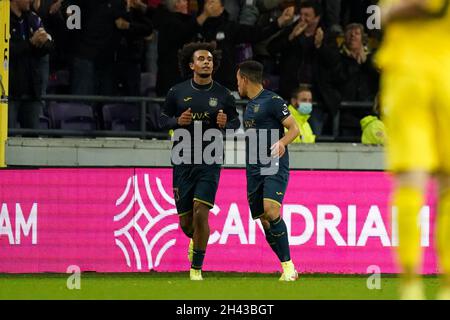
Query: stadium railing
x=143, y=103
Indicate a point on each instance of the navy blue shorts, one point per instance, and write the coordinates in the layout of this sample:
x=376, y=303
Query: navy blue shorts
x=195, y=183
x=271, y=188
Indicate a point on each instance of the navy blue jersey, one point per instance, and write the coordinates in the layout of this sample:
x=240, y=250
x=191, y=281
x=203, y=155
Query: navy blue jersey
x=263, y=115
x=205, y=102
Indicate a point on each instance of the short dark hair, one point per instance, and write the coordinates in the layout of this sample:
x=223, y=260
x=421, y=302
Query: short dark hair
x=312, y=4
x=253, y=70
x=301, y=88
x=186, y=56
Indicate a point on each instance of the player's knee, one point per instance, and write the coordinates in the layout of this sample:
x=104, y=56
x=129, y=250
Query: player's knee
x=201, y=212
x=200, y=208
x=271, y=210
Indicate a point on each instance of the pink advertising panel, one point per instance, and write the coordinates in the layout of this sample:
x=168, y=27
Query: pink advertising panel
x=124, y=220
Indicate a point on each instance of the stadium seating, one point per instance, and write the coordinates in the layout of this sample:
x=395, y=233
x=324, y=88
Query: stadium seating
x=121, y=117
x=71, y=116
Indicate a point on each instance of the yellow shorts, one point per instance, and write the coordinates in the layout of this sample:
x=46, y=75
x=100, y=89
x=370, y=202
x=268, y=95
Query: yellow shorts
x=416, y=111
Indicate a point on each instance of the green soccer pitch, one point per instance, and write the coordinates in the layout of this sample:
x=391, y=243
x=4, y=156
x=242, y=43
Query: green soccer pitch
x=216, y=286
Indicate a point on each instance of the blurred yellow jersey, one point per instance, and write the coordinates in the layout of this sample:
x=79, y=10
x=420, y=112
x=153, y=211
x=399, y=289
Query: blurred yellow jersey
x=415, y=90
x=417, y=42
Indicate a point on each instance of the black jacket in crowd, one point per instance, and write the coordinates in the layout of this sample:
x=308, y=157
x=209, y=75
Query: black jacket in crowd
x=24, y=74
x=227, y=34
x=357, y=82
x=55, y=24
x=321, y=63
x=98, y=38
x=174, y=30
x=132, y=44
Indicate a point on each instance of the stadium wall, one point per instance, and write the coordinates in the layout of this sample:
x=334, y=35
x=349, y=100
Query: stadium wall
x=124, y=219
x=104, y=152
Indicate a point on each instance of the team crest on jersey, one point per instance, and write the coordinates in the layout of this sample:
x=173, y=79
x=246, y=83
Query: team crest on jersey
x=256, y=108
x=213, y=102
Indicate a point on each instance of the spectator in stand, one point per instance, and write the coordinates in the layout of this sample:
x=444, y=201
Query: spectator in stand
x=300, y=108
x=357, y=74
x=357, y=77
x=96, y=46
x=135, y=27
x=176, y=27
x=248, y=12
x=233, y=7
x=307, y=55
x=29, y=43
x=53, y=20
x=227, y=34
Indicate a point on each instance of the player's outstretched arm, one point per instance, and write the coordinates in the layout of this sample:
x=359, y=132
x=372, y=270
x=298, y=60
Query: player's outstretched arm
x=279, y=148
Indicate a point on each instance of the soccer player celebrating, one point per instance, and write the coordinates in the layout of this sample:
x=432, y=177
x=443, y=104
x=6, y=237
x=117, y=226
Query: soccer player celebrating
x=198, y=101
x=415, y=58
x=265, y=114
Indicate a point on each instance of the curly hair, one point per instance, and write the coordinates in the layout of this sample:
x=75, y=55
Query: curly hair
x=186, y=56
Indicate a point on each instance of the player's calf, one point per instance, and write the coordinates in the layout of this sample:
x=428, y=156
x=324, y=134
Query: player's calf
x=277, y=234
x=201, y=236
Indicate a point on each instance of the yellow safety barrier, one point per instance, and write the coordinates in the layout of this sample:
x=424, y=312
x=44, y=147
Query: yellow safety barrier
x=4, y=62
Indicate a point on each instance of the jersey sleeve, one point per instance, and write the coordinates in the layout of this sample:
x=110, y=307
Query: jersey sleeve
x=170, y=105
x=279, y=108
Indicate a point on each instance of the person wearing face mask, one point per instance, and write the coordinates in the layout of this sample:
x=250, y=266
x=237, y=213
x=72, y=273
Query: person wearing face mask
x=301, y=107
x=307, y=53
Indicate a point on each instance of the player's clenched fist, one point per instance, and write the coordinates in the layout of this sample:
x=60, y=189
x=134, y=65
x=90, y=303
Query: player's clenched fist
x=221, y=119
x=186, y=118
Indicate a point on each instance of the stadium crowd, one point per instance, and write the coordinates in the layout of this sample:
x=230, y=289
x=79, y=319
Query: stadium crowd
x=129, y=48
